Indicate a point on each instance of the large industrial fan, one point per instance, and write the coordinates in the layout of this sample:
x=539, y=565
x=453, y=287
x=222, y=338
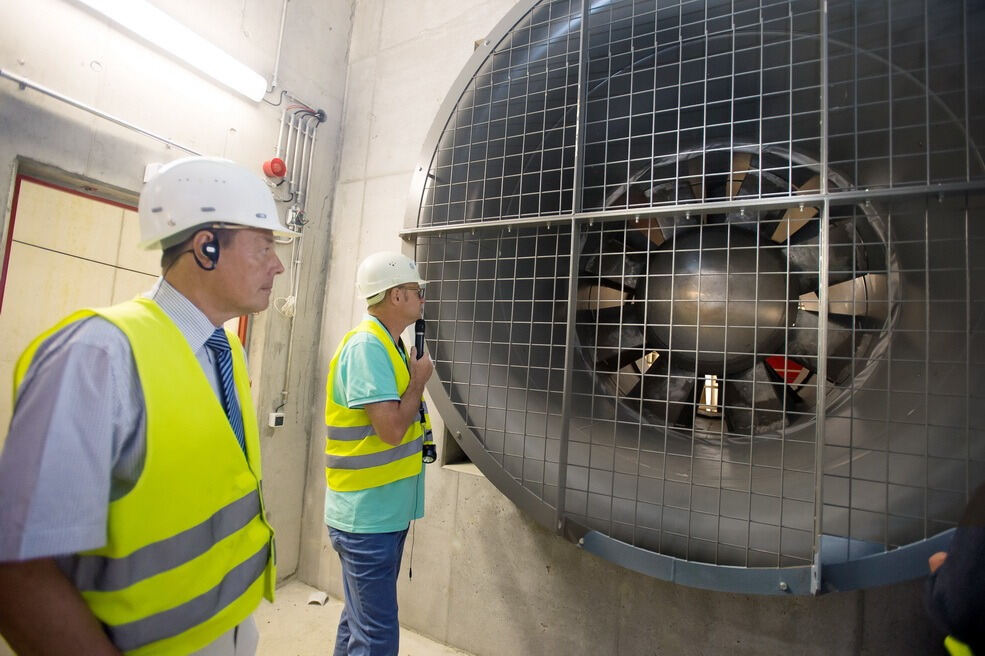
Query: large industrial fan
x=705, y=285
x=724, y=297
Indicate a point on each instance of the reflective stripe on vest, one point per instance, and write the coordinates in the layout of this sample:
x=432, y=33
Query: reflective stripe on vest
x=189, y=553
x=129, y=637
x=356, y=458
x=104, y=574
x=375, y=459
x=349, y=433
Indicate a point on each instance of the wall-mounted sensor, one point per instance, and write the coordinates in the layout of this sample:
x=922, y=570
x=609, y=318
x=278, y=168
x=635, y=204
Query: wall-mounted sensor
x=275, y=419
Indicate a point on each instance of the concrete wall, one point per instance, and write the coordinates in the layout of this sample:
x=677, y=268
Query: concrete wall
x=65, y=47
x=486, y=579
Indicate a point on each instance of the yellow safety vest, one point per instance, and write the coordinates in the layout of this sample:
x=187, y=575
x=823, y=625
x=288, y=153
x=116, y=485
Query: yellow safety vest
x=189, y=552
x=356, y=458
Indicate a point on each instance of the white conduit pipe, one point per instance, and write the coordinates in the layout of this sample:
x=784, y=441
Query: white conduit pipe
x=287, y=153
x=28, y=84
x=294, y=156
x=280, y=41
x=311, y=153
x=280, y=134
x=305, y=161
x=302, y=163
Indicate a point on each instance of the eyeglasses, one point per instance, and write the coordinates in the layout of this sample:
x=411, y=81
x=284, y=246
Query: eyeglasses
x=419, y=290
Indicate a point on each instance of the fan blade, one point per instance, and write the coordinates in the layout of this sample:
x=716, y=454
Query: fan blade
x=802, y=343
x=659, y=388
x=612, y=345
x=792, y=373
x=708, y=427
x=632, y=374
x=753, y=403
x=847, y=257
x=740, y=166
x=637, y=197
x=647, y=361
x=605, y=258
x=865, y=296
x=806, y=391
x=798, y=378
x=651, y=228
x=627, y=379
x=598, y=297
x=708, y=402
x=796, y=218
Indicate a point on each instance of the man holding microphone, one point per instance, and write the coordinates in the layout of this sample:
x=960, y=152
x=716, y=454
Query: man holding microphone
x=377, y=430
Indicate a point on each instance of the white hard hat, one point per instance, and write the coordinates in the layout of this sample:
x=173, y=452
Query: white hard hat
x=203, y=191
x=381, y=271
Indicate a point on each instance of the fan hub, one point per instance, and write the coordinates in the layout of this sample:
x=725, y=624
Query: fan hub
x=718, y=298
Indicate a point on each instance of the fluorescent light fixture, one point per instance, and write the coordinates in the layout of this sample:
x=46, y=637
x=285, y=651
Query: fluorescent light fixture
x=152, y=24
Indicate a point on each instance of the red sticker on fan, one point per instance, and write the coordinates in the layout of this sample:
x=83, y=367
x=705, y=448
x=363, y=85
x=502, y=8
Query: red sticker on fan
x=792, y=373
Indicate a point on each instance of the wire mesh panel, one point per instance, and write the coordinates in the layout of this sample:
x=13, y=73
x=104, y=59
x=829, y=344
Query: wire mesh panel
x=508, y=148
x=721, y=82
x=707, y=400
x=707, y=279
x=905, y=448
x=499, y=336
x=906, y=84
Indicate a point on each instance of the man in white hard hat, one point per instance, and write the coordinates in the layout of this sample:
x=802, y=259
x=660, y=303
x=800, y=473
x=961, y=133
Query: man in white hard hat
x=377, y=427
x=131, y=515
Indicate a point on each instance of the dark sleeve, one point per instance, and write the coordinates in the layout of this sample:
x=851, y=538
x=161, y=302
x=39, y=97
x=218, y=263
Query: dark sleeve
x=956, y=591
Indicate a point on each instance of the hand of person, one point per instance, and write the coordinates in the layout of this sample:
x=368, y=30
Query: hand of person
x=420, y=369
x=936, y=560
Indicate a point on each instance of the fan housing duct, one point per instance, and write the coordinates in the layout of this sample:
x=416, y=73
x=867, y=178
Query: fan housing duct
x=704, y=287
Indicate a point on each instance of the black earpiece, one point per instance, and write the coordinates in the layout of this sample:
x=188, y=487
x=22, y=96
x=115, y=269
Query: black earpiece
x=210, y=250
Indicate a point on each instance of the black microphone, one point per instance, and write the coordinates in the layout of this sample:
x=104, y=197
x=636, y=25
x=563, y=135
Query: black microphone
x=429, y=453
x=419, y=337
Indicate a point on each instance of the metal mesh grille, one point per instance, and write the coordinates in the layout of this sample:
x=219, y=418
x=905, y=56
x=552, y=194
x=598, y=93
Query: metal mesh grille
x=725, y=482
x=709, y=246
x=508, y=150
x=702, y=78
x=499, y=336
x=903, y=453
x=905, y=92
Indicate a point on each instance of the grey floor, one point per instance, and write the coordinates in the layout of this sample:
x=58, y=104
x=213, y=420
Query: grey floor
x=291, y=626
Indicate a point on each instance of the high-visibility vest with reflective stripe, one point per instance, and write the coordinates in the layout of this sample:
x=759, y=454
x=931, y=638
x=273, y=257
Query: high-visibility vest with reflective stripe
x=189, y=553
x=355, y=457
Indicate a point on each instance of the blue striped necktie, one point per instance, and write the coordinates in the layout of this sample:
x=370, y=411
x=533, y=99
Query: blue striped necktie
x=224, y=367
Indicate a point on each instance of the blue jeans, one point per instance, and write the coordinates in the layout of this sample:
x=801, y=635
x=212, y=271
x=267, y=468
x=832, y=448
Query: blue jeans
x=370, y=566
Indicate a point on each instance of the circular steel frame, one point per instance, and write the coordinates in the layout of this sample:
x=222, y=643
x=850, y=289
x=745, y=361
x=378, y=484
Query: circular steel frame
x=838, y=562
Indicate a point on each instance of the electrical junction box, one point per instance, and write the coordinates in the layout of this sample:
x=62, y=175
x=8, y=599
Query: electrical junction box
x=275, y=419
